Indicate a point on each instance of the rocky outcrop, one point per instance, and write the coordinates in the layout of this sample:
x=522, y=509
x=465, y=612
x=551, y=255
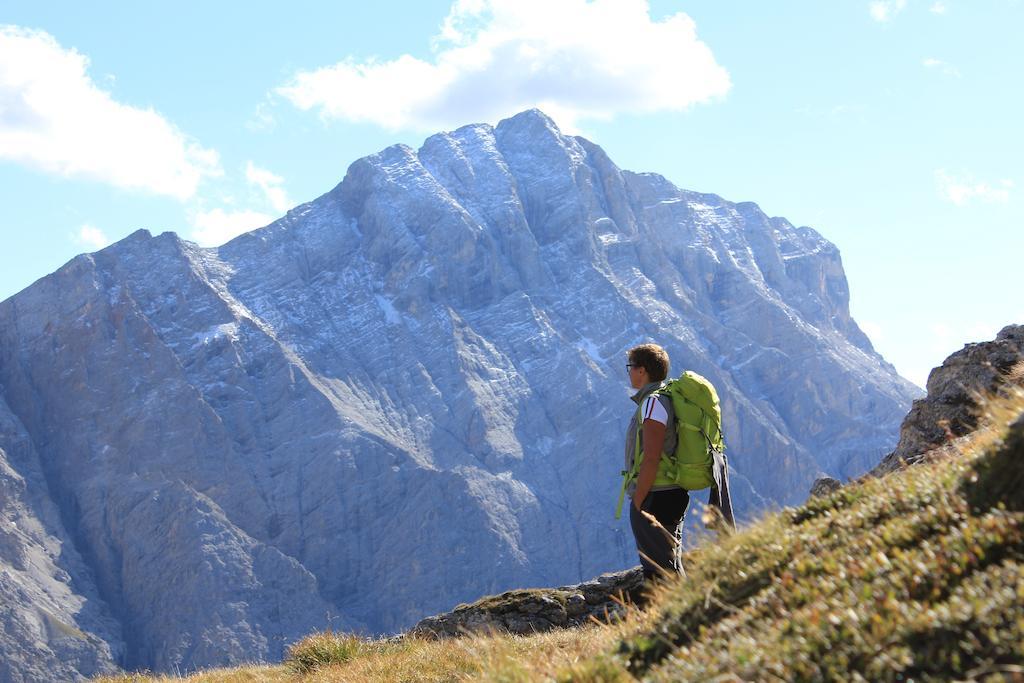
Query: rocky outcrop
x=949, y=410
x=825, y=485
x=541, y=609
x=406, y=394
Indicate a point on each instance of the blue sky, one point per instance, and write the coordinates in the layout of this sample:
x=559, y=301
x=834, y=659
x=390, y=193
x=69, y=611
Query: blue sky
x=891, y=127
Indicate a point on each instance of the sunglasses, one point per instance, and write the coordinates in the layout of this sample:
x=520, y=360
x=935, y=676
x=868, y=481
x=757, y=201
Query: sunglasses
x=632, y=365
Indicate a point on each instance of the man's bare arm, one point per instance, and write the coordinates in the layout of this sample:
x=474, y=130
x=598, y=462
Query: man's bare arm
x=654, y=438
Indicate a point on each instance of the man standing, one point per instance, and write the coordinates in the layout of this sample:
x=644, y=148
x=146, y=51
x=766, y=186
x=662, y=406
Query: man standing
x=648, y=437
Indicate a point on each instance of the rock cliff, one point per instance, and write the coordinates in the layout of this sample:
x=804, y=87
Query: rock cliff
x=400, y=396
x=950, y=409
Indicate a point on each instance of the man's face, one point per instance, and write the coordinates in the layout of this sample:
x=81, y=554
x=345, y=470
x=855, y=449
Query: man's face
x=637, y=375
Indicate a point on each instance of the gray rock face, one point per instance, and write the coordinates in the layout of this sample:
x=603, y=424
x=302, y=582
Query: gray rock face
x=52, y=622
x=408, y=393
x=954, y=388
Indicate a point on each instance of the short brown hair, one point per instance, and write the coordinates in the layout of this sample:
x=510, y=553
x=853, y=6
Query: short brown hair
x=651, y=358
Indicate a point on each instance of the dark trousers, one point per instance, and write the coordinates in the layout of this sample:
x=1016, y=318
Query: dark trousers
x=657, y=551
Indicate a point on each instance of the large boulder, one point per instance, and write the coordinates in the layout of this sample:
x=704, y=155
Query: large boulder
x=950, y=410
x=539, y=609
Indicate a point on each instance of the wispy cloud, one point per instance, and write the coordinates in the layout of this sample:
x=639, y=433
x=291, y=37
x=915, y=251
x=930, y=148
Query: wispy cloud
x=496, y=57
x=54, y=117
x=964, y=188
x=215, y=227
x=271, y=185
x=941, y=66
x=262, y=118
x=939, y=8
x=91, y=237
x=885, y=10
x=835, y=112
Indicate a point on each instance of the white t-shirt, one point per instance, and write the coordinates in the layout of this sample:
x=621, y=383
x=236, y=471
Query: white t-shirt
x=653, y=410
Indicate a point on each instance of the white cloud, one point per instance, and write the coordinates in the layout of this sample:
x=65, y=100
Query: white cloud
x=963, y=189
x=939, y=8
x=54, y=117
x=270, y=184
x=262, y=119
x=948, y=70
x=885, y=10
x=91, y=237
x=572, y=58
x=213, y=228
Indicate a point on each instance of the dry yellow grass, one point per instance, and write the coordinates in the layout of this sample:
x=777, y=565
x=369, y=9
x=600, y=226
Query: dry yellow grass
x=246, y=674
x=494, y=657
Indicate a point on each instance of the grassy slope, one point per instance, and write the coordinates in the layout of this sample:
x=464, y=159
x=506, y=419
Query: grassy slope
x=916, y=576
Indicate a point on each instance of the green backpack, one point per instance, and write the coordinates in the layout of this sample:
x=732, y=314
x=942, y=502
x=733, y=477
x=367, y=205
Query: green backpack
x=698, y=418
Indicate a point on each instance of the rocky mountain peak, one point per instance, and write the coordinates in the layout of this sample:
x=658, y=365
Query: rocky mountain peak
x=533, y=125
